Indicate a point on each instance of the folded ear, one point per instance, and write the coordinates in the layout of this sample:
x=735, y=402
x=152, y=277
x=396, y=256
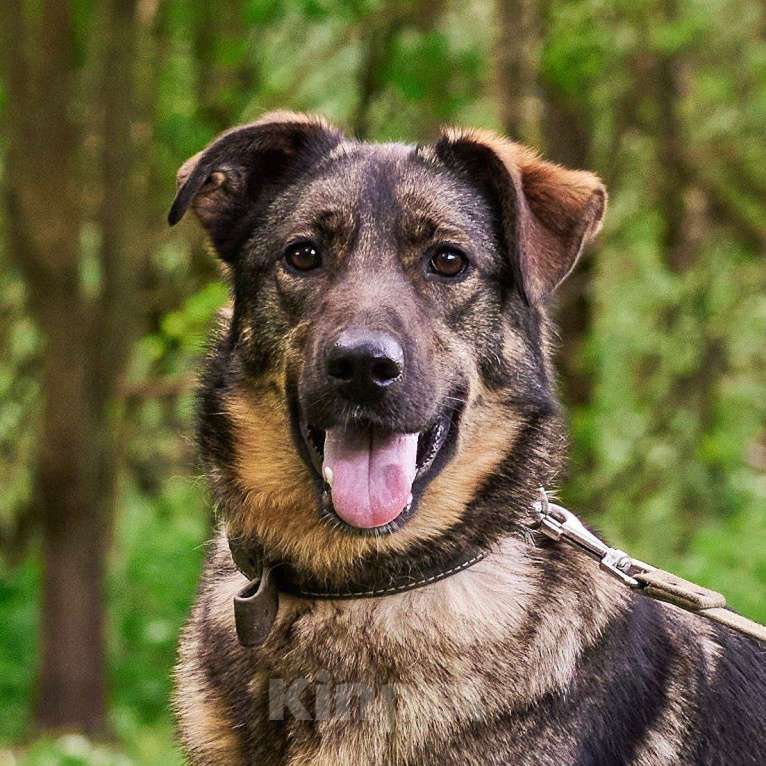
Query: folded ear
x=224, y=182
x=548, y=213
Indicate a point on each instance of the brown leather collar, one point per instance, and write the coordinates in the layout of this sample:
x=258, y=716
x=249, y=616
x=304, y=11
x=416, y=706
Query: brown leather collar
x=256, y=605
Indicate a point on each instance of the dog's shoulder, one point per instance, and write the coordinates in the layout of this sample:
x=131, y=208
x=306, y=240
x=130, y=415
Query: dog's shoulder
x=217, y=680
x=703, y=689
x=732, y=710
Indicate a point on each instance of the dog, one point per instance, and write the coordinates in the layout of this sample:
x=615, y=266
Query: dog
x=377, y=413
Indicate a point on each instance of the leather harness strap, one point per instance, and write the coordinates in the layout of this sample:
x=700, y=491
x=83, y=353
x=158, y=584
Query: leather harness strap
x=665, y=586
x=559, y=524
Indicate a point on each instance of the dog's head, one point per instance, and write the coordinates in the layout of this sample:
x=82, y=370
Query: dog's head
x=387, y=350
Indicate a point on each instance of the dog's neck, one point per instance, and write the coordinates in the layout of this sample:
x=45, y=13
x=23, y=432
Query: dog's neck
x=256, y=605
x=385, y=569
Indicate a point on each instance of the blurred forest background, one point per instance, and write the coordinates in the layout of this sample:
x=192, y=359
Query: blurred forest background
x=104, y=311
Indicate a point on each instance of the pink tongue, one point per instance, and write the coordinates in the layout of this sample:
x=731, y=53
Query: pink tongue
x=372, y=474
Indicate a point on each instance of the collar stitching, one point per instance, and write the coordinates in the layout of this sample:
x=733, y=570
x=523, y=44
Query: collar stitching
x=395, y=588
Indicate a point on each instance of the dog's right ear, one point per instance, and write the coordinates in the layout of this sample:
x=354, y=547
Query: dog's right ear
x=224, y=182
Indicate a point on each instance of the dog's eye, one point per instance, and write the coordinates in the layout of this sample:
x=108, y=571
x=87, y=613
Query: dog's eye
x=448, y=262
x=303, y=256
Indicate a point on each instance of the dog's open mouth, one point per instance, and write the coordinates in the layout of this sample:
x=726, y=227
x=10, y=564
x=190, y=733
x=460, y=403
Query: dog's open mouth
x=370, y=476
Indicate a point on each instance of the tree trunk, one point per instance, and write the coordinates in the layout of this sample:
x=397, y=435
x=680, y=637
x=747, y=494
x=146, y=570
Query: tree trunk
x=516, y=69
x=673, y=175
x=71, y=693
x=44, y=202
x=524, y=97
x=566, y=140
x=86, y=339
x=378, y=37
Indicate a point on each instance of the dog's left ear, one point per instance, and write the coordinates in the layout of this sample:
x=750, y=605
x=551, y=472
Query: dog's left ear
x=549, y=213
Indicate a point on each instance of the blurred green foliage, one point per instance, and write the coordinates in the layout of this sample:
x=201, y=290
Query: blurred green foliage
x=669, y=438
x=158, y=551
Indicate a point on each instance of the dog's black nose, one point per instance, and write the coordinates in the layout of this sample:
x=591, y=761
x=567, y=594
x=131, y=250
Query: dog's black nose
x=363, y=363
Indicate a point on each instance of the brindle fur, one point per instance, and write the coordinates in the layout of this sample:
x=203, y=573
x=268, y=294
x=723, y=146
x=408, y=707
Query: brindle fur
x=532, y=656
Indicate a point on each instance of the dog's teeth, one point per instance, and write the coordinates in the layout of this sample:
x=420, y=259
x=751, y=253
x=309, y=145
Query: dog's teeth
x=327, y=472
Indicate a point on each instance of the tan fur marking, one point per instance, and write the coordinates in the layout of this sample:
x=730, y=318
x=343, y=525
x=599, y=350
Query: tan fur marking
x=663, y=742
x=486, y=435
x=711, y=649
x=667, y=736
x=280, y=506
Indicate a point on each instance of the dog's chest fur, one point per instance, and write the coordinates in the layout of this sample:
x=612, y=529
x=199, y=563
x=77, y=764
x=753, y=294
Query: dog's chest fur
x=393, y=679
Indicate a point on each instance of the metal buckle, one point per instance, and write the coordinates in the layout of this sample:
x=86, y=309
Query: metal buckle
x=558, y=523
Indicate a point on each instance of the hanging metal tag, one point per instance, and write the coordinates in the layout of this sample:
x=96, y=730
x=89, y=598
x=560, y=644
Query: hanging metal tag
x=255, y=609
